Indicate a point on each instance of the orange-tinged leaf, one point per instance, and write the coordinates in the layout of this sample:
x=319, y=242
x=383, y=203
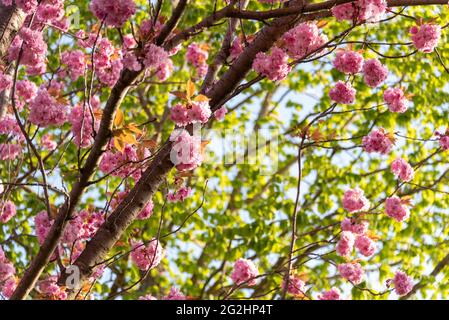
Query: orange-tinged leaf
x=118, y=144
x=321, y=24
x=204, y=145
x=201, y=98
x=149, y=143
x=119, y=118
x=190, y=89
x=133, y=128
x=179, y=94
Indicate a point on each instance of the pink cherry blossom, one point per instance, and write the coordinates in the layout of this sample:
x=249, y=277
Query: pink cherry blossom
x=245, y=271
x=186, y=151
x=396, y=100
x=365, y=245
x=355, y=227
x=296, y=286
x=27, y=90
x=5, y=81
x=9, y=286
x=342, y=93
x=75, y=62
x=50, y=289
x=352, y=272
x=426, y=37
x=274, y=65
x=396, y=208
x=354, y=200
x=114, y=12
x=147, y=256
x=402, y=169
x=374, y=72
x=157, y=61
x=403, y=284
x=180, y=195
x=46, y=110
x=332, y=294
x=9, y=151
x=220, y=113
x=379, y=141
x=197, y=56
x=348, y=61
x=42, y=225
x=83, y=125
x=175, y=294
x=48, y=143
x=346, y=244
x=303, y=40
x=28, y=6
x=7, y=211
x=147, y=297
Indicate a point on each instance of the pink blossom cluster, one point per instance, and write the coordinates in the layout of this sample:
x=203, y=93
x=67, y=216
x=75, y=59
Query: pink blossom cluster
x=403, y=284
x=83, y=125
x=354, y=234
x=5, y=81
x=296, y=286
x=220, y=113
x=34, y=50
x=352, y=272
x=83, y=226
x=108, y=62
x=353, y=226
x=122, y=164
x=180, y=195
x=50, y=12
x=402, y=169
x=26, y=90
x=50, y=289
x=426, y=37
x=75, y=62
x=332, y=294
x=7, y=210
x=27, y=6
x=378, y=140
x=396, y=208
x=186, y=153
x=365, y=245
x=42, y=225
x=175, y=294
x=114, y=13
x=374, y=72
x=9, y=151
x=8, y=281
x=48, y=143
x=46, y=110
x=443, y=139
x=396, y=100
x=274, y=65
x=194, y=112
x=245, y=271
x=10, y=127
x=348, y=61
x=354, y=200
x=147, y=257
x=303, y=40
x=342, y=93
x=197, y=56
x=157, y=60
x=236, y=48
x=145, y=213
x=360, y=10
x=346, y=244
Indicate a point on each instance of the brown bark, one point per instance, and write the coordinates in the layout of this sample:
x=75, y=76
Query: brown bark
x=11, y=19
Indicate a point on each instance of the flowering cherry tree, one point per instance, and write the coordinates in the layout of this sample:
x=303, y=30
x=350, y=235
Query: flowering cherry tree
x=112, y=184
